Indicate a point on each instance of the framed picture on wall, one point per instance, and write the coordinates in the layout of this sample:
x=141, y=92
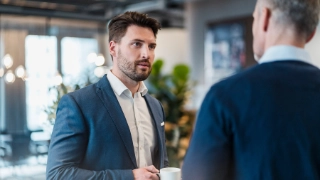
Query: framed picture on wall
x=228, y=48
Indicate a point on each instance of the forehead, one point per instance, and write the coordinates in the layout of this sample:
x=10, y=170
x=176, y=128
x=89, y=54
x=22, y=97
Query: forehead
x=138, y=32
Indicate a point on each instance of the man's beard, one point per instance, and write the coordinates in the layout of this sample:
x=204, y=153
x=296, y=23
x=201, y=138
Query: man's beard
x=130, y=69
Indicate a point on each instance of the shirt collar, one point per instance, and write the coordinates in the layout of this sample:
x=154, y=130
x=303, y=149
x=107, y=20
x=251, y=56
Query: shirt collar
x=119, y=88
x=284, y=52
x=142, y=88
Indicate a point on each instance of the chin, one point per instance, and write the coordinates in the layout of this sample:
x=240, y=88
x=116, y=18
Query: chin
x=141, y=76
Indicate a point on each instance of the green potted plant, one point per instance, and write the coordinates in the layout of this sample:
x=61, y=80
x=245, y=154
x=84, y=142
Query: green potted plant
x=173, y=90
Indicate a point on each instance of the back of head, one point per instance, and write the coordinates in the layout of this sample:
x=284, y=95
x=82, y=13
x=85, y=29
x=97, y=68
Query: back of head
x=302, y=14
x=119, y=24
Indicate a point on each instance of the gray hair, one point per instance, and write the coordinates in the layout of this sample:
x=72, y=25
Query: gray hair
x=303, y=14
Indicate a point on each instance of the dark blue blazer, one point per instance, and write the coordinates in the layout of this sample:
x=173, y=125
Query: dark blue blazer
x=261, y=124
x=91, y=138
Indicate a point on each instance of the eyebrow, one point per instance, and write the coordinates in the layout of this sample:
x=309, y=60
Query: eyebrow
x=139, y=40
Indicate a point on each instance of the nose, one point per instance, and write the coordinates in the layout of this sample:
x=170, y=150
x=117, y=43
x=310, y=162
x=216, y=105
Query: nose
x=145, y=52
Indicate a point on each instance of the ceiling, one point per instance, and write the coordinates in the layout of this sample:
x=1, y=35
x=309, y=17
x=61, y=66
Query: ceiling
x=169, y=12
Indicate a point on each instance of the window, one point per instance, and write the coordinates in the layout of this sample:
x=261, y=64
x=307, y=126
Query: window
x=76, y=67
x=41, y=65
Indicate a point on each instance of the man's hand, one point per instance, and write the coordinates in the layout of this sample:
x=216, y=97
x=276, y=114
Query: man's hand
x=146, y=173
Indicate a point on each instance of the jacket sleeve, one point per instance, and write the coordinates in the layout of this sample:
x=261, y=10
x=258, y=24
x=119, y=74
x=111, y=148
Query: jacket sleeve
x=68, y=146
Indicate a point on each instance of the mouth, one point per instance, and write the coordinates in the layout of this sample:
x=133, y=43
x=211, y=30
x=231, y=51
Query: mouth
x=143, y=64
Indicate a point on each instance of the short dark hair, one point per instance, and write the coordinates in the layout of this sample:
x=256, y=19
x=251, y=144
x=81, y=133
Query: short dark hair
x=303, y=14
x=118, y=25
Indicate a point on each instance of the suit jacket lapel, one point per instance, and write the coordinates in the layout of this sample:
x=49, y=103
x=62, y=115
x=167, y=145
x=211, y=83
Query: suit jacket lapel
x=110, y=101
x=156, y=116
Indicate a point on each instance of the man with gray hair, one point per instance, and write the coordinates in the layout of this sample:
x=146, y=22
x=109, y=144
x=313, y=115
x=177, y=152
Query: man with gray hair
x=263, y=123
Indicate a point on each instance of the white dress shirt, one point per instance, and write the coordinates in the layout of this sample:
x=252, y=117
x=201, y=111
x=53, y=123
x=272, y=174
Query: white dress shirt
x=284, y=52
x=138, y=118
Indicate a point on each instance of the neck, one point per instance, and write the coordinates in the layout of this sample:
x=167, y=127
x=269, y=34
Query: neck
x=132, y=85
x=284, y=36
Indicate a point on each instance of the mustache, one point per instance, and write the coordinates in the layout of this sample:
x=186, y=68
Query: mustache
x=143, y=61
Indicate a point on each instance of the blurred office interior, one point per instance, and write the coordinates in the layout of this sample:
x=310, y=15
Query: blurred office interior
x=49, y=42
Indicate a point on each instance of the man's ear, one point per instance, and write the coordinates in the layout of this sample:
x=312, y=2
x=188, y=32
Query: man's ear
x=265, y=18
x=112, y=48
x=311, y=36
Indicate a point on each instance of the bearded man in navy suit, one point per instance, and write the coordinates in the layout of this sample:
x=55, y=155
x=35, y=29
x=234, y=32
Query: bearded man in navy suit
x=113, y=129
x=264, y=123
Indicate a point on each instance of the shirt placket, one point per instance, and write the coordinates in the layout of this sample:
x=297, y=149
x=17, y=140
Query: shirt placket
x=142, y=162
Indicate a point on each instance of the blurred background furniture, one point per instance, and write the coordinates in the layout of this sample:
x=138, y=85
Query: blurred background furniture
x=15, y=150
x=5, y=148
x=39, y=145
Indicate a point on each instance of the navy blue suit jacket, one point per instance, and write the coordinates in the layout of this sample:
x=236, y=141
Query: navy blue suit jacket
x=261, y=124
x=91, y=138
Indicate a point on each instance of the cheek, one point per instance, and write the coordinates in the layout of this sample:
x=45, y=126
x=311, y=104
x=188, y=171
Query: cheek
x=254, y=28
x=134, y=54
x=256, y=36
x=152, y=55
x=128, y=53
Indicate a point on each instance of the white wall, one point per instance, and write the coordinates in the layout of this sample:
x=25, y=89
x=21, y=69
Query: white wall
x=172, y=47
x=197, y=16
x=313, y=47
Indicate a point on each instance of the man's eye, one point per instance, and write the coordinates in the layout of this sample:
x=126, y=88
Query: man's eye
x=137, y=44
x=152, y=47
